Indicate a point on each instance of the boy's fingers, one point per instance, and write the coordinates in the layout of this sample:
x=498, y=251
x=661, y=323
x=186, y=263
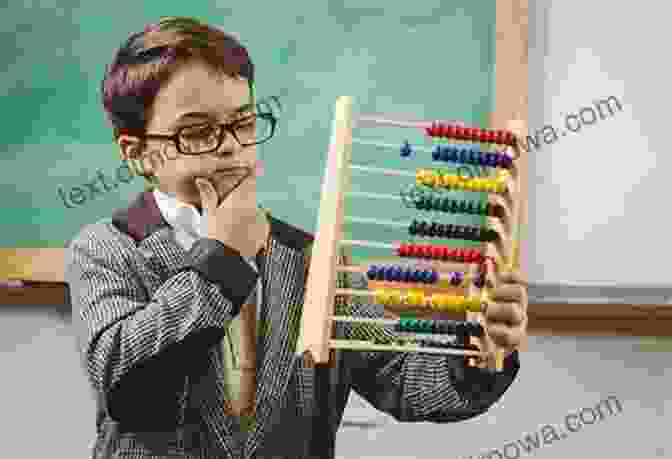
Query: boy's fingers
x=209, y=199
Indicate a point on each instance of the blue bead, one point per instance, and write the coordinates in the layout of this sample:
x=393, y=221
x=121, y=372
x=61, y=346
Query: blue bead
x=480, y=158
x=371, y=273
x=405, y=149
x=436, y=153
x=452, y=153
x=428, y=277
x=407, y=275
x=389, y=272
x=416, y=276
x=445, y=153
x=396, y=273
x=380, y=275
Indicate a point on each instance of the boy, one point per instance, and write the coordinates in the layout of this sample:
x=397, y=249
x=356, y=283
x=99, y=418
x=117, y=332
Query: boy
x=185, y=299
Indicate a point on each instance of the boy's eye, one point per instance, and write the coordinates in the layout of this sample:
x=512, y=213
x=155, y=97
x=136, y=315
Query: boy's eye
x=198, y=132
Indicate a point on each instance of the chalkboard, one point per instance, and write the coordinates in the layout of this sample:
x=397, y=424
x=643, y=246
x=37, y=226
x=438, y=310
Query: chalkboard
x=430, y=59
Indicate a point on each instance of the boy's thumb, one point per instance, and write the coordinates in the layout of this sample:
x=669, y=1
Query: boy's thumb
x=207, y=192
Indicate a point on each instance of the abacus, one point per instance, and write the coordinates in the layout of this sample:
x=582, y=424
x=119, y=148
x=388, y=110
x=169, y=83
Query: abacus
x=444, y=278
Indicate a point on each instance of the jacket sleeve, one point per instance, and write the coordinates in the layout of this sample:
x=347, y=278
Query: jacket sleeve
x=138, y=348
x=415, y=387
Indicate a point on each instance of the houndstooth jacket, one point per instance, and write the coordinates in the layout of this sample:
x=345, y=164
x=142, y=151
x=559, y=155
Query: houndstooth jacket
x=150, y=316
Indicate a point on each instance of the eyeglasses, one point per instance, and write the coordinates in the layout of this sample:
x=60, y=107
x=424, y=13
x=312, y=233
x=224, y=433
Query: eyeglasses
x=203, y=138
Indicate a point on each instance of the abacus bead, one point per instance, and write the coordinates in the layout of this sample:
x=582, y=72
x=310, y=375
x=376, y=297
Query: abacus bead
x=371, y=273
x=413, y=229
x=455, y=279
x=398, y=274
x=510, y=138
x=380, y=273
x=386, y=273
x=450, y=131
x=434, y=277
x=427, y=276
x=444, y=153
x=436, y=153
x=405, y=149
x=474, y=157
x=479, y=281
x=452, y=153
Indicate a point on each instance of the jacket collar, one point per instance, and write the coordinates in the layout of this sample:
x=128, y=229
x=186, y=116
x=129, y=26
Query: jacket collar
x=143, y=217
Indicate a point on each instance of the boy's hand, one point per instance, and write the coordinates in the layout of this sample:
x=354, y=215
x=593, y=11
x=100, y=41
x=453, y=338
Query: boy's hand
x=235, y=220
x=506, y=317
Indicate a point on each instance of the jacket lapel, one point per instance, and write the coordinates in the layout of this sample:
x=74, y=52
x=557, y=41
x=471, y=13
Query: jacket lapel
x=283, y=278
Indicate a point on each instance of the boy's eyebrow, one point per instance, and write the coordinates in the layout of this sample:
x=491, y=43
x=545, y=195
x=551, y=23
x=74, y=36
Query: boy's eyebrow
x=207, y=115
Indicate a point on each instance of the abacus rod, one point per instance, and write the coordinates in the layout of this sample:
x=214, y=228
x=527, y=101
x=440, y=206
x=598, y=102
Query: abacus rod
x=378, y=170
x=385, y=322
x=373, y=293
x=509, y=183
x=365, y=345
x=438, y=141
x=373, y=143
x=444, y=268
x=364, y=194
x=369, y=244
x=387, y=121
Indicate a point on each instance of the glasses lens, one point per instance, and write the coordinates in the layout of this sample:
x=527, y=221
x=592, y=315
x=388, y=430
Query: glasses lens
x=197, y=139
x=253, y=129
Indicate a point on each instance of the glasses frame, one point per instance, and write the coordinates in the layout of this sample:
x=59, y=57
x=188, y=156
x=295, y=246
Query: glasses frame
x=225, y=128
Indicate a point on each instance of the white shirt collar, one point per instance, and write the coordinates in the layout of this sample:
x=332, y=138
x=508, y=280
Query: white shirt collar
x=180, y=215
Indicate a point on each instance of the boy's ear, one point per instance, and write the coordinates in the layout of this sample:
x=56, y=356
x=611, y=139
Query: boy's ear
x=129, y=147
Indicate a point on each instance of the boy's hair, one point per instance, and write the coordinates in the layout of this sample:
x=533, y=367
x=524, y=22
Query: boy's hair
x=147, y=59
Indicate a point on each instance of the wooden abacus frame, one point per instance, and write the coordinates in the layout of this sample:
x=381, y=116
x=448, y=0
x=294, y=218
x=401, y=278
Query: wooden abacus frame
x=321, y=290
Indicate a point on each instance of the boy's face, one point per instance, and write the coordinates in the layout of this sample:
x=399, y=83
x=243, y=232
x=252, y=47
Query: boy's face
x=195, y=95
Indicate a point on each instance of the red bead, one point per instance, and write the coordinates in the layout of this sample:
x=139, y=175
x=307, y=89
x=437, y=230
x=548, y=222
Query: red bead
x=462, y=254
x=472, y=256
x=436, y=252
x=445, y=131
x=500, y=137
x=414, y=250
x=510, y=138
x=483, y=136
x=400, y=250
x=450, y=132
x=476, y=134
x=427, y=251
x=448, y=253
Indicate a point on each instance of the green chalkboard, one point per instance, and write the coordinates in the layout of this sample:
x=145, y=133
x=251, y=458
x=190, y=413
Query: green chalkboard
x=428, y=59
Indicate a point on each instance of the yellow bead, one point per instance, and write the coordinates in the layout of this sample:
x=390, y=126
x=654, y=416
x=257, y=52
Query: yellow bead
x=460, y=305
x=501, y=187
x=473, y=304
x=435, y=301
x=395, y=298
x=380, y=296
